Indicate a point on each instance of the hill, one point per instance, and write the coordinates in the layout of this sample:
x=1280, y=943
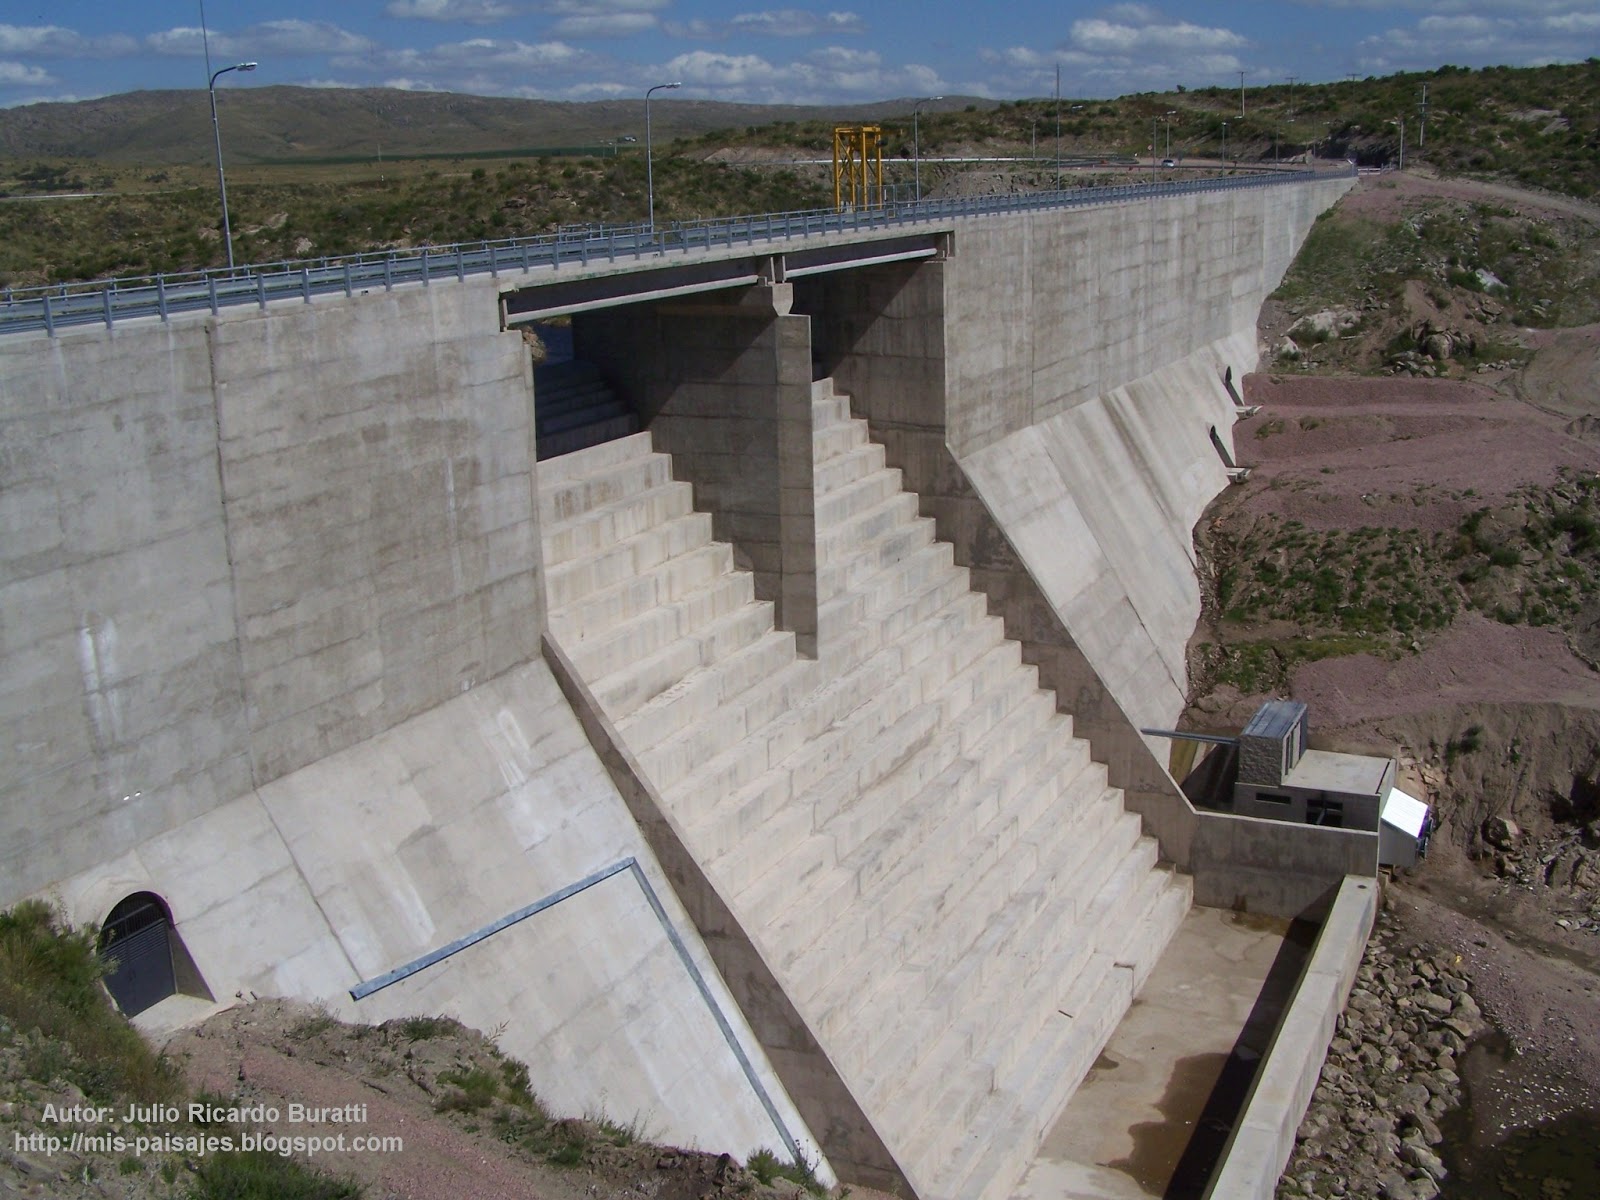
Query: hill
x=296, y=124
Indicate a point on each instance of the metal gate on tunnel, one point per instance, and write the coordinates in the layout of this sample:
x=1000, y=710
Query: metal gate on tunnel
x=136, y=948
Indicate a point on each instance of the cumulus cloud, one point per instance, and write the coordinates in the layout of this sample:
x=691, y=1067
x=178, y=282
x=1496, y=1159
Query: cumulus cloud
x=706, y=67
x=1098, y=35
x=13, y=74
x=52, y=41
x=269, y=39
x=604, y=25
x=1127, y=47
x=465, y=12
x=777, y=23
x=1481, y=39
x=487, y=66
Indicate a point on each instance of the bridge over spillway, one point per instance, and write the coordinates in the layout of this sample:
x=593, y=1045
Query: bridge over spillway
x=740, y=706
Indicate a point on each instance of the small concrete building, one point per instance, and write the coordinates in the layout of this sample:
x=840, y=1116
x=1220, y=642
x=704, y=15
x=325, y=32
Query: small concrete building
x=1282, y=779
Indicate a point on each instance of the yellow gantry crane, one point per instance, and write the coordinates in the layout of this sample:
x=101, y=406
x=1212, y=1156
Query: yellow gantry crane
x=857, y=167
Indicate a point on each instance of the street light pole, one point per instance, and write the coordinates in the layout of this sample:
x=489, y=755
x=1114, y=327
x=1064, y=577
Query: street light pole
x=1402, y=123
x=1224, y=141
x=916, y=141
x=216, y=133
x=649, y=153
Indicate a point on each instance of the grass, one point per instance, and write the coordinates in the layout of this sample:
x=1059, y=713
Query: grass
x=161, y=216
x=1533, y=559
x=54, y=1008
x=50, y=990
x=768, y=1168
x=260, y=1175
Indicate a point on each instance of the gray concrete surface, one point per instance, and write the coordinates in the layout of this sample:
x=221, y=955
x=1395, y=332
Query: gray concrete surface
x=1263, y=1137
x=371, y=857
x=1144, y=1122
x=274, y=585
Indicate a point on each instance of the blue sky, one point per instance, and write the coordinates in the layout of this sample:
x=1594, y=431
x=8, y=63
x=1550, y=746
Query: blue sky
x=844, y=51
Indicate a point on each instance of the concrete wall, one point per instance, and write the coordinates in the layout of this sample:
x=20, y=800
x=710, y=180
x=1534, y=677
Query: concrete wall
x=1051, y=389
x=723, y=382
x=1263, y=1136
x=236, y=545
x=375, y=855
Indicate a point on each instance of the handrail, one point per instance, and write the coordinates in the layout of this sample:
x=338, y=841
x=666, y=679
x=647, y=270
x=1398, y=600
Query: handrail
x=51, y=307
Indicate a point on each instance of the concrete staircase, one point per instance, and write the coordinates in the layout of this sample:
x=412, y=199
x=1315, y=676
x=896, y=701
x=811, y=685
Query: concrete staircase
x=946, y=886
x=574, y=408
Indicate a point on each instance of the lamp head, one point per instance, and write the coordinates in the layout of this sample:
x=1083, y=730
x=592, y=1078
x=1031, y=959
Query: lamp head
x=246, y=66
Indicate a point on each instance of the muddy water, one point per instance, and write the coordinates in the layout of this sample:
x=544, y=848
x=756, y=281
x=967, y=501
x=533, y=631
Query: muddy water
x=1556, y=1159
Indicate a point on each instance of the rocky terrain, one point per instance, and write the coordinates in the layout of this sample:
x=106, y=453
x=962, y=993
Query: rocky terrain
x=1410, y=556
x=460, y=1119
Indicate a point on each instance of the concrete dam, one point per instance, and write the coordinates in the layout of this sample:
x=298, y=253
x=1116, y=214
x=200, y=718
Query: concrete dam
x=744, y=717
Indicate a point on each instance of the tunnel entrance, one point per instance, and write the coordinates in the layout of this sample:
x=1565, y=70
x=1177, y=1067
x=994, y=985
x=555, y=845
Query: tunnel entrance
x=145, y=960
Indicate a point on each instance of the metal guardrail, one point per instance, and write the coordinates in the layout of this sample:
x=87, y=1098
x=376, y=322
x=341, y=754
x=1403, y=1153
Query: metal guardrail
x=107, y=301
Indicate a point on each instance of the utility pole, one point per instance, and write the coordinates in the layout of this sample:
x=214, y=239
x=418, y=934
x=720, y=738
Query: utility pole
x=1422, y=123
x=1241, y=95
x=1291, y=79
x=1058, y=127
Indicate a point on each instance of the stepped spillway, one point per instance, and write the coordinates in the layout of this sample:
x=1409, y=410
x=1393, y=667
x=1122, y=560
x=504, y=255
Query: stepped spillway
x=906, y=827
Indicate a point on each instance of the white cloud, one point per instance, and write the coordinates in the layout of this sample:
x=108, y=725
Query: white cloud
x=52, y=41
x=269, y=39
x=465, y=12
x=781, y=22
x=702, y=66
x=605, y=25
x=1125, y=48
x=21, y=75
x=1483, y=39
x=485, y=66
x=1181, y=37
x=794, y=22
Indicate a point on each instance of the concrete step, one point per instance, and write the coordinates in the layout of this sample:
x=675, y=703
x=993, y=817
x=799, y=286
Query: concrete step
x=861, y=531
x=987, y=1155
x=978, y=809
x=846, y=468
x=609, y=524
x=1042, y=1082
x=828, y=410
x=872, y=600
x=554, y=445
x=855, y=498
x=562, y=401
x=735, y=719
x=954, y=946
x=855, y=814
x=592, y=410
x=833, y=440
x=702, y=694
x=819, y=726
x=569, y=499
x=637, y=682
x=878, y=831
x=836, y=578
x=998, y=1061
x=598, y=458
x=568, y=583
x=811, y=747
x=656, y=587
x=617, y=648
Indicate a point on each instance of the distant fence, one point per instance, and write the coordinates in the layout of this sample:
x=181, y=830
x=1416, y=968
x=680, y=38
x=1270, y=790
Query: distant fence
x=107, y=301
